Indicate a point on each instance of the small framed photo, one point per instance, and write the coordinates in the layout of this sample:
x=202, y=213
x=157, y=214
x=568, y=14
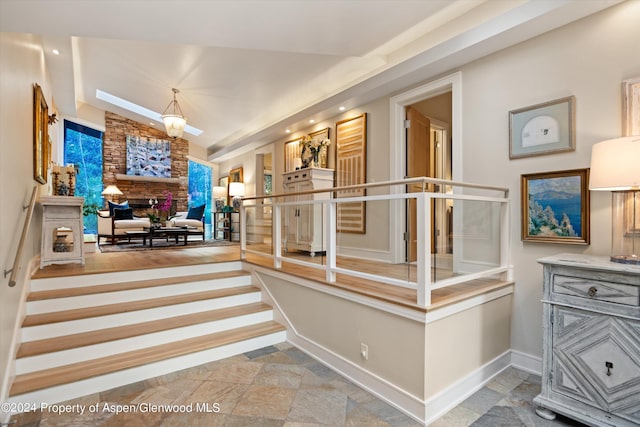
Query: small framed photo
x=543, y=128
x=555, y=207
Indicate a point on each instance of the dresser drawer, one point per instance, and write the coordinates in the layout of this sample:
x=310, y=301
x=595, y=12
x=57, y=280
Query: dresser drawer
x=598, y=290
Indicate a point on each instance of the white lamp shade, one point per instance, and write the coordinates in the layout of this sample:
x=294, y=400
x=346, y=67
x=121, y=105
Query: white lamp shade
x=112, y=190
x=219, y=192
x=236, y=189
x=174, y=125
x=615, y=164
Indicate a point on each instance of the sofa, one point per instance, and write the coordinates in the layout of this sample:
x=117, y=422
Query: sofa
x=194, y=219
x=115, y=222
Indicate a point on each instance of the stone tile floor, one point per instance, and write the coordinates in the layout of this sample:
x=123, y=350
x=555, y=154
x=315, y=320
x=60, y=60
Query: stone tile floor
x=282, y=386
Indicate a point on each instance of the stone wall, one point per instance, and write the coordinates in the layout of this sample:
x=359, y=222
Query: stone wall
x=114, y=152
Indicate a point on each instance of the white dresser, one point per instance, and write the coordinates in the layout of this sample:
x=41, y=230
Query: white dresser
x=62, y=230
x=591, y=339
x=304, y=223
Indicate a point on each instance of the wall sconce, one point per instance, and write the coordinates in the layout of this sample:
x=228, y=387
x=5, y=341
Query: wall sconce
x=236, y=190
x=615, y=167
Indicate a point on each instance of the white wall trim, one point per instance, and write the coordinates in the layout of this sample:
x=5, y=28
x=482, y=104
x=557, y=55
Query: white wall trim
x=451, y=309
x=366, y=254
x=397, y=147
x=526, y=362
x=441, y=403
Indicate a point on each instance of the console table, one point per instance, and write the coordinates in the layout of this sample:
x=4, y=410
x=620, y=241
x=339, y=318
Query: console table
x=591, y=341
x=62, y=230
x=226, y=226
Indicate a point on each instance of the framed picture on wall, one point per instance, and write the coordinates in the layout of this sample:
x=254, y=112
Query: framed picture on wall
x=555, y=207
x=543, y=128
x=631, y=107
x=40, y=135
x=292, y=151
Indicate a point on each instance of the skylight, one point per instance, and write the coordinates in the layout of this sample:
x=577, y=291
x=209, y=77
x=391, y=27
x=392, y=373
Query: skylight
x=135, y=108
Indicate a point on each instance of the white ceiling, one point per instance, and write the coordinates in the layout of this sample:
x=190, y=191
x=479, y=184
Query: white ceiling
x=248, y=69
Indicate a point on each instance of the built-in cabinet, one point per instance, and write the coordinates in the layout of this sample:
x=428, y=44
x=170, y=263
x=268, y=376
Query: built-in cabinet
x=591, y=340
x=304, y=223
x=62, y=230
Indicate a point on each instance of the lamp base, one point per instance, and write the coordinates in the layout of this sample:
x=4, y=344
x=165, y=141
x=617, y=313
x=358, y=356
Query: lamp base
x=626, y=259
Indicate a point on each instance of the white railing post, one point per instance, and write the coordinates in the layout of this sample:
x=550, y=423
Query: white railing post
x=423, y=243
x=505, y=238
x=243, y=231
x=276, y=233
x=331, y=236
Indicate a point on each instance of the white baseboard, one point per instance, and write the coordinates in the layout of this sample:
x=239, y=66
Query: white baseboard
x=526, y=362
x=438, y=405
x=365, y=254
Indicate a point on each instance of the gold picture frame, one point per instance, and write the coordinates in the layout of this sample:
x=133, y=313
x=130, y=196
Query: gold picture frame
x=235, y=175
x=292, y=150
x=555, y=207
x=40, y=135
x=631, y=107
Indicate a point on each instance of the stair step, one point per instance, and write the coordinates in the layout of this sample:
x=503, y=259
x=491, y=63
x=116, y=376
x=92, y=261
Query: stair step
x=104, y=310
x=26, y=383
x=124, y=286
x=49, y=345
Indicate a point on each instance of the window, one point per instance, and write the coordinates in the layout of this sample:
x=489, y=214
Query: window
x=200, y=191
x=83, y=148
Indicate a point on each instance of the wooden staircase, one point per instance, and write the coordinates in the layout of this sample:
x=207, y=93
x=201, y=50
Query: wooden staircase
x=85, y=334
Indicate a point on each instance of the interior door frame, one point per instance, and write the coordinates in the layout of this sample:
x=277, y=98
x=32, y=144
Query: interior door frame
x=397, y=154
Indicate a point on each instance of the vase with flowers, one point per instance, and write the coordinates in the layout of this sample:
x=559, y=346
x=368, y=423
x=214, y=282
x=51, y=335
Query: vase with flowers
x=314, y=147
x=162, y=209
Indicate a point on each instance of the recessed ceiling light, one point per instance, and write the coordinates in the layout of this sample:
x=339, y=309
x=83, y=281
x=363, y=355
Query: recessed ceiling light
x=56, y=52
x=342, y=108
x=135, y=108
x=312, y=121
x=152, y=124
x=288, y=131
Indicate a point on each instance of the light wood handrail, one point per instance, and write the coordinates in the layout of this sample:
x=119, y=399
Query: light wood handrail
x=23, y=237
x=424, y=180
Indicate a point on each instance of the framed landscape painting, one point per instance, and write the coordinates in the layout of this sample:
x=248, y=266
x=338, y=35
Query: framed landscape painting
x=555, y=207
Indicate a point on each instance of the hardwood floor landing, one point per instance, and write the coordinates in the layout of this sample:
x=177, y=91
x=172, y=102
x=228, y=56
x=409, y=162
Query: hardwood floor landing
x=126, y=261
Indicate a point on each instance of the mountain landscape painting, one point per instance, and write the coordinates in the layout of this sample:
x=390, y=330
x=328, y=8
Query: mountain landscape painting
x=554, y=206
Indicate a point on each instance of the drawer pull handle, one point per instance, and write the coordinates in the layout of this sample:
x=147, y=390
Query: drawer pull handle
x=609, y=367
x=593, y=291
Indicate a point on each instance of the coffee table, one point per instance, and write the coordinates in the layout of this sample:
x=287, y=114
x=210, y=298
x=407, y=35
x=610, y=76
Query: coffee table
x=162, y=232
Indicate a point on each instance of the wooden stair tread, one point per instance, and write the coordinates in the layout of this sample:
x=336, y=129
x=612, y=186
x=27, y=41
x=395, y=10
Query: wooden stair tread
x=82, y=370
x=103, y=310
x=37, y=347
x=123, y=286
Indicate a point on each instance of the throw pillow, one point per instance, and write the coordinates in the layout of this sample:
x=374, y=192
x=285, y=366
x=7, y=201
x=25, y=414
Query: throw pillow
x=123, y=213
x=113, y=206
x=196, y=212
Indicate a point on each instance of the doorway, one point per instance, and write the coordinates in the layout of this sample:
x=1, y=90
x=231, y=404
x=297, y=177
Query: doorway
x=444, y=135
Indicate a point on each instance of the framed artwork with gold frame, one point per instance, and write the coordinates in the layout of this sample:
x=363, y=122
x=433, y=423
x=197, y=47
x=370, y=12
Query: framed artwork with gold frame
x=40, y=135
x=555, y=207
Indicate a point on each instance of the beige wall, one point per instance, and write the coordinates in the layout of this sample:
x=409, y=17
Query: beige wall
x=588, y=59
x=396, y=344
x=460, y=344
x=21, y=65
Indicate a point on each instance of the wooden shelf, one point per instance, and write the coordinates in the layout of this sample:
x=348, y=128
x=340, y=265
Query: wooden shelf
x=123, y=177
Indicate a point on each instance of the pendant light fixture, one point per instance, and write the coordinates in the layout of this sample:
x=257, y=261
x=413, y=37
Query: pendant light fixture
x=174, y=121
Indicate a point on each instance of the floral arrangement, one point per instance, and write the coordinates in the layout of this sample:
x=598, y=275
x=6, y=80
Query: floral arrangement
x=313, y=145
x=163, y=207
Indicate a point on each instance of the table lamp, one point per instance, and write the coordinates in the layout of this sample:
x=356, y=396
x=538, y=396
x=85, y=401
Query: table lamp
x=236, y=190
x=112, y=191
x=615, y=167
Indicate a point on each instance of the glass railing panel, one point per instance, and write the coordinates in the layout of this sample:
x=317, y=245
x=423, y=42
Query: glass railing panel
x=363, y=239
x=303, y=227
x=259, y=227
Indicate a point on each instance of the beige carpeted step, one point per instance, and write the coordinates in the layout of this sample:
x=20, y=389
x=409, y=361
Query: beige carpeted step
x=83, y=370
x=104, y=310
x=34, y=348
